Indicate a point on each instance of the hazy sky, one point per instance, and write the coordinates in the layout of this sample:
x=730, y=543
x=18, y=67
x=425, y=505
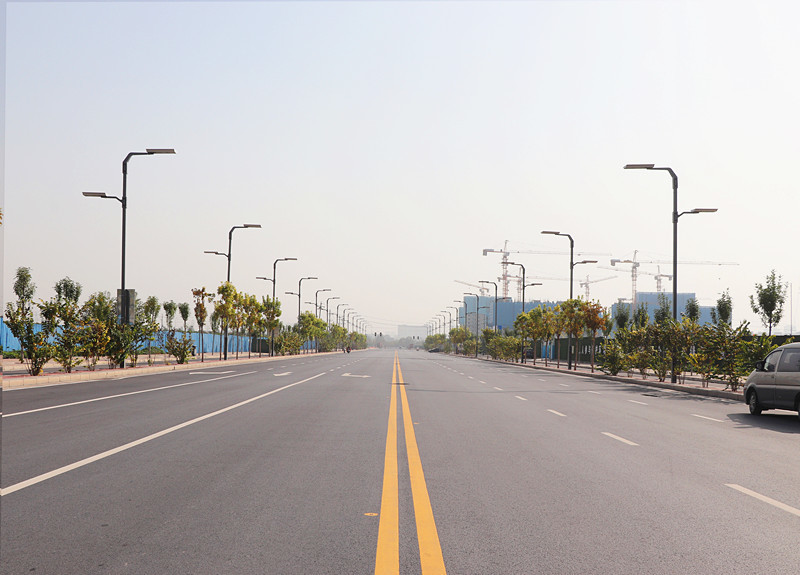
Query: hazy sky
x=386, y=144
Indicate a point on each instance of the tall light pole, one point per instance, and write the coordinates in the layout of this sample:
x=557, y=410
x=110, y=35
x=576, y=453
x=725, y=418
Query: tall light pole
x=274, y=281
x=124, y=298
x=316, y=300
x=495, y=300
x=477, y=305
x=337, y=312
x=299, y=291
x=572, y=264
x=675, y=217
x=457, y=311
x=523, y=282
x=228, y=276
x=328, y=309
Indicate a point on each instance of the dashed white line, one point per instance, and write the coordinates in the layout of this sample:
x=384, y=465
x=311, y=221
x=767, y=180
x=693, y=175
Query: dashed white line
x=639, y=402
x=618, y=438
x=498, y=389
x=708, y=418
x=558, y=413
x=522, y=398
x=594, y=392
x=564, y=384
x=764, y=498
x=482, y=381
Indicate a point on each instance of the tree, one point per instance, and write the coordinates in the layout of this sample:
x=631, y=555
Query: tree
x=150, y=310
x=769, y=300
x=623, y=316
x=692, y=311
x=94, y=336
x=724, y=310
x=663, y=313
x=640, y=317
x=201, y=296
x=594, y=316
x=215, y=322
x=183, y=309
x=572, y=311
x=170, y=307
x=35, y=346
x=64, y=313
x=225, y=306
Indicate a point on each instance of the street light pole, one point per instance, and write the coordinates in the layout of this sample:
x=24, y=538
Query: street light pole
x=328, y=309
x=125, y=300
x=316, y=300
x=495, y=300
x=572, y=264
x=299, y=291
x=675, y=217
x=274, y=281
x=228, y=276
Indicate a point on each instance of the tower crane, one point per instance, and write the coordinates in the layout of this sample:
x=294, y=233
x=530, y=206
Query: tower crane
x=588, y=282
x=505, y=277
x=658, y=276
x=484, y=290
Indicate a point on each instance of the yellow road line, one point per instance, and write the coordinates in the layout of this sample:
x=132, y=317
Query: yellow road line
x=387, y=560
x=430, y=549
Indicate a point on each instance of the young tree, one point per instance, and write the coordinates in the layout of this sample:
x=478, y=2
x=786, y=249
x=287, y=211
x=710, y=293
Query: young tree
x=170, y=307
x=95, y=336
x=215, y=322
x=623, y=316
x=594, y=316
x=769, y=300
x=663, y=313
x=24, y=289
x=150, y=310
x=724, y=310
x=574, y=323
x=692, y=311
x=201, y=296
x=183, y=309
x=64, y=313
x=640, y=317
x=35, y=346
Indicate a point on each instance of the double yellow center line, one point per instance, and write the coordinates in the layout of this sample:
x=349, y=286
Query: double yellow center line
x=387, y=561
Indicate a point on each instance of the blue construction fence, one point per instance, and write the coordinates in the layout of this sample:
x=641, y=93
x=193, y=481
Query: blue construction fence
x=212, y=343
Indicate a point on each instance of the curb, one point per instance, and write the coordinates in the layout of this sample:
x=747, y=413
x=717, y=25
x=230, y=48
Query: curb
x=704, y=391
x=18, y=381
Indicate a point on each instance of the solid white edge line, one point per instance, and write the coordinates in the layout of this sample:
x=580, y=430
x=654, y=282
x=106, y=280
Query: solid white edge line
x=765, y=499
x=558, y=413
x=61, y=470
x=123, y=395
x=618, y=438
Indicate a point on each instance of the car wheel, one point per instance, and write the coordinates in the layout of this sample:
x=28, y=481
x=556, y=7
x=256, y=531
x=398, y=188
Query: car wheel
x=754, y=404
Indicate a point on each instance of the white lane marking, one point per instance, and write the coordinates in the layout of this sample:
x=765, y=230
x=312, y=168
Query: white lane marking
x=470, y=377
x=460, y=373
x=594, y=392
x=522, y=398
x=558, y=413
x=764, y=498
x=708, y=418
x=123, y=395
x=210, y=372
x=353, y=375
x=498, y=389
x=540, y=379
x=61, y=470
x=282, y=374
x=618, y=438
x=564, y=384
x=639, y=402
x=481, y=381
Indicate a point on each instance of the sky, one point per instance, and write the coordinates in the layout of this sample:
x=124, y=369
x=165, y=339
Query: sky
x=385, y=145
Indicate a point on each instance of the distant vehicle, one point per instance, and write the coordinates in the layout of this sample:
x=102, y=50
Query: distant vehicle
x=775, y=383
x=435, y=350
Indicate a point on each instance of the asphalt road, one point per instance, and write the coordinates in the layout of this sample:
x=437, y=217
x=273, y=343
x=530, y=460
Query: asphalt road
x=284, y=468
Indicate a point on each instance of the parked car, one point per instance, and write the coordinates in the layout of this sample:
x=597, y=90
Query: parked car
x=775, y=383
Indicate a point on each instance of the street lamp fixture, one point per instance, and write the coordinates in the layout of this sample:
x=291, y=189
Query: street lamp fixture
x=299, y=291
x=675, y=217
x=124, y=295
x=316, y=300
x=328, y=308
